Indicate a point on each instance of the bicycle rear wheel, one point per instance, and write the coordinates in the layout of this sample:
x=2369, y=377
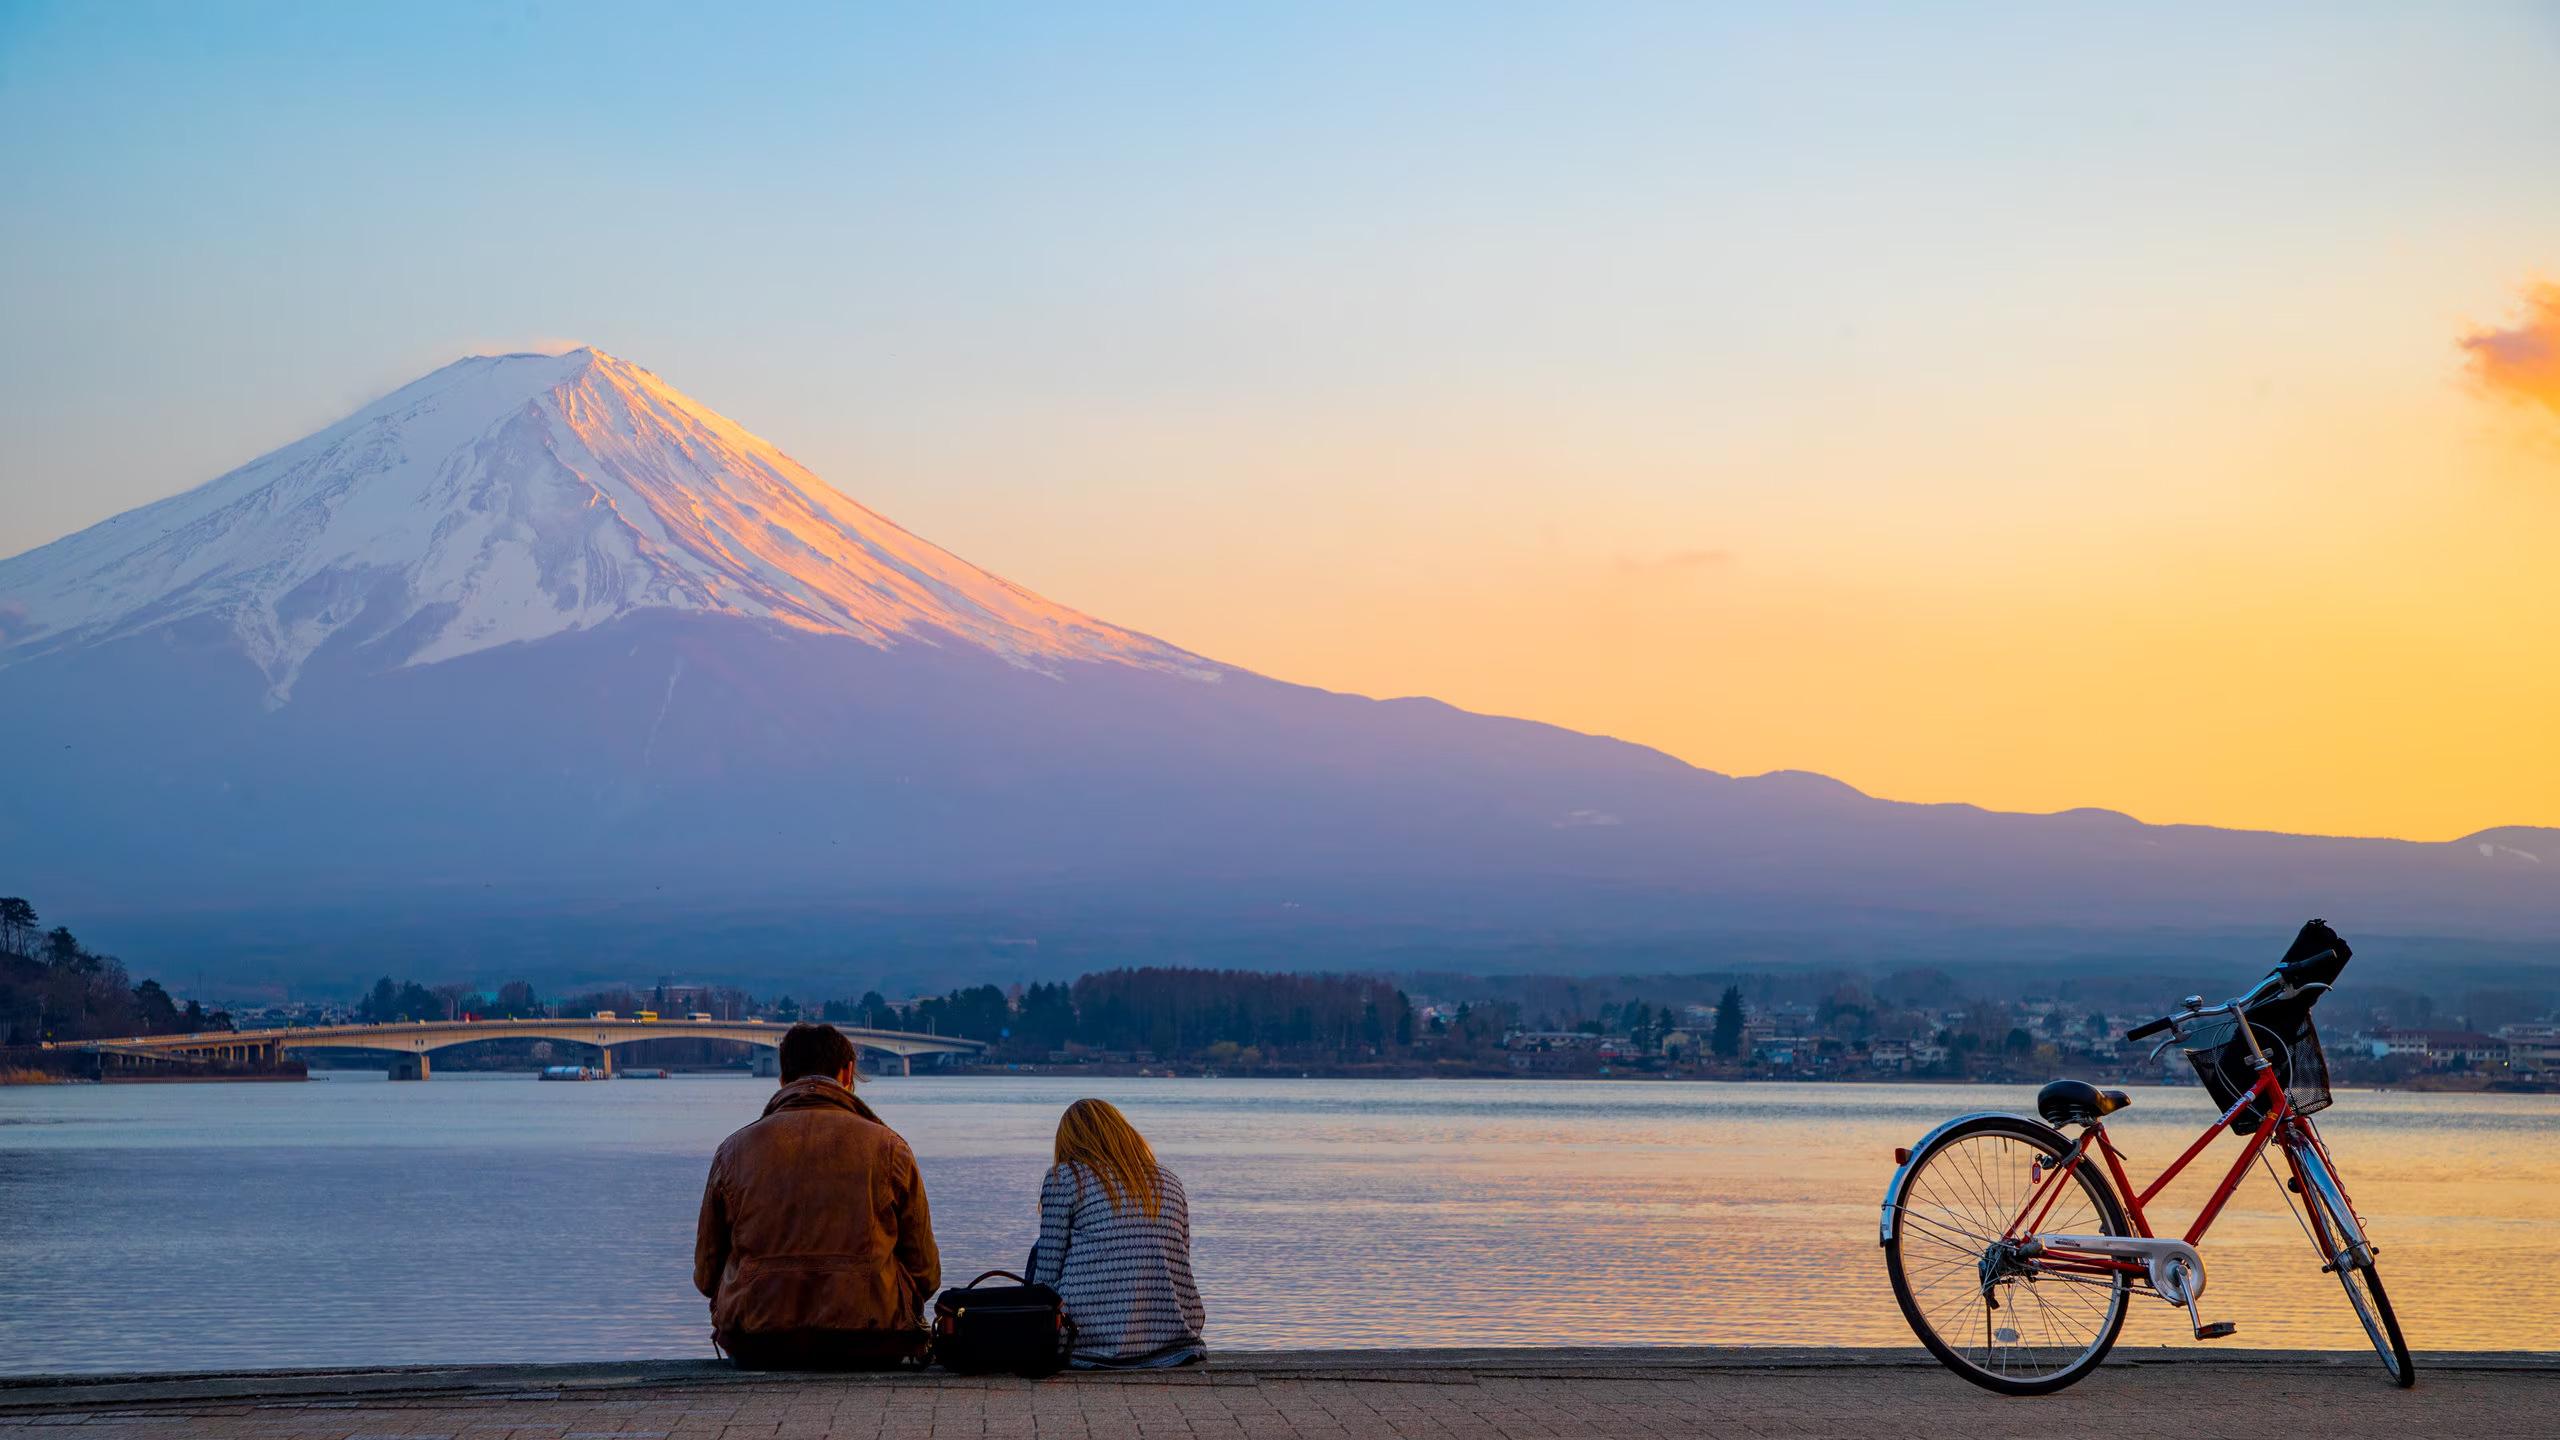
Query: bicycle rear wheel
x=2341, y=1238
x=2001, y=1322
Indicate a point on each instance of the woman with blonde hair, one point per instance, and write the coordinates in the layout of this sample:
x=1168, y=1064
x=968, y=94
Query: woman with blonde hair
x=1115, y=1242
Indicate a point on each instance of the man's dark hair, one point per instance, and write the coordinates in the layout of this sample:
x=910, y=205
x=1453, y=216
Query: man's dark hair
x=814, y=1050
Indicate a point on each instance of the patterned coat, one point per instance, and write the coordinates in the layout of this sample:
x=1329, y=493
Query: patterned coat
x=1125, y=1279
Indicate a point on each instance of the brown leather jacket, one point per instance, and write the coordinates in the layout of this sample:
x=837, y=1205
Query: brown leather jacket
x=814, y=1236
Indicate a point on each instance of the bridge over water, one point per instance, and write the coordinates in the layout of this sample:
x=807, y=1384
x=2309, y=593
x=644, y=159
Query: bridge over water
x=414, y=1041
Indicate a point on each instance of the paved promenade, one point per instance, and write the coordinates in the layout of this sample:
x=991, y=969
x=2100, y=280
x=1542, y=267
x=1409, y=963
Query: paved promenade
x=1336, y=1395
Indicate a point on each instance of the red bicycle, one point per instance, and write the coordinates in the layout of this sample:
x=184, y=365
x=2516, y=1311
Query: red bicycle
x=2014, y=1248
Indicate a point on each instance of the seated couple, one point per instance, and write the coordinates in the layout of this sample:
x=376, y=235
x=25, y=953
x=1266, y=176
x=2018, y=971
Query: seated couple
x=816, y=1248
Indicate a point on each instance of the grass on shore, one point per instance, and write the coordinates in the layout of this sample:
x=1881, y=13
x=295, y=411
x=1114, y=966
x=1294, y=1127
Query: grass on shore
x=22, y=1076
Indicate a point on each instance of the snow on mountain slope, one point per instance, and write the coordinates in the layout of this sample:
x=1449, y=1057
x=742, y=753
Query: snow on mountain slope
x=512, y=497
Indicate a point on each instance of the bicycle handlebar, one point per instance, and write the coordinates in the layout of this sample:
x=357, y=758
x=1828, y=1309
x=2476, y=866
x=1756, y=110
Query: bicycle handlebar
x=2201, y=1012
x=2305, y=963
x=2286, y=973
x=2288, y=978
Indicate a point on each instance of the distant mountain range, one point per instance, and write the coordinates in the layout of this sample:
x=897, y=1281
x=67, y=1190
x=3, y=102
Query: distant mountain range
x=538, y=665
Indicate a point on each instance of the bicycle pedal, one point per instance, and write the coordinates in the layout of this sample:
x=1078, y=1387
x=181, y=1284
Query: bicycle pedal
x=2219, y=1329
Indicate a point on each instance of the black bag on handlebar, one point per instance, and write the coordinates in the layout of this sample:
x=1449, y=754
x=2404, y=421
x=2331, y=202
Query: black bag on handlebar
x=2316, y=936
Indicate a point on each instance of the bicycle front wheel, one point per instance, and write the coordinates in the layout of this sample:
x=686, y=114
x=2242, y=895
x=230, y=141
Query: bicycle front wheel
x=2002, y=1322
x=2342, y=1242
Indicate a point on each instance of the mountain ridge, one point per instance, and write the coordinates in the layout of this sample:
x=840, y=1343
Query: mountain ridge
x=538, y=634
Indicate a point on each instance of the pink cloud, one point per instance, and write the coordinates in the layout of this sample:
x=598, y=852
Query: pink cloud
x=2522, y=361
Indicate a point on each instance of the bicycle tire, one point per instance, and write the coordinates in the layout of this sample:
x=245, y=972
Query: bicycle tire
x=2381, y=1323
x=1994, y=1375
x=2395, y=1358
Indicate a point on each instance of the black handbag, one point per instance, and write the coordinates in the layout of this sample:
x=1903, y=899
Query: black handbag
x=982, y=1329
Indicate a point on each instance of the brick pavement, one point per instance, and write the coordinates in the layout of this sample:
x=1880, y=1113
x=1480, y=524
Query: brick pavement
x=1348, y=1395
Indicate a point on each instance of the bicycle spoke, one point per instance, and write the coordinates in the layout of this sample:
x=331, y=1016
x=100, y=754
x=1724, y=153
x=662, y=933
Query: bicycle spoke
x=1948, y=1201
x=1930, y=1267
x=1977, y=1237
x=1968, y=1286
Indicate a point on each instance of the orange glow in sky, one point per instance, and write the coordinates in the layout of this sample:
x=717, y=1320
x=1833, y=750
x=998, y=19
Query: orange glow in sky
x=2313, y=589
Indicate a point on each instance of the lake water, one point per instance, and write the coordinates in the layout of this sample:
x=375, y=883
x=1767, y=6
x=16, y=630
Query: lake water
x=351, y=1221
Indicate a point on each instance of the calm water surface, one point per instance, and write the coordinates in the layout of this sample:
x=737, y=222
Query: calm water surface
x=479, y=1218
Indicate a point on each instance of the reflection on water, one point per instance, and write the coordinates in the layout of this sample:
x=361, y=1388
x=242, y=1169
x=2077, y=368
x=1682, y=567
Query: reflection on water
x=350, y=1221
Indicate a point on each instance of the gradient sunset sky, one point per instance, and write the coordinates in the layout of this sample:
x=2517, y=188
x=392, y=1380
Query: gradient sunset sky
x=2150, y=407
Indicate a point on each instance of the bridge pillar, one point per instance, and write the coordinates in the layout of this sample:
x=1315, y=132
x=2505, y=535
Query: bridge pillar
x=607, y=1066
x=906, y=1065
x=410, y=1067
x=768, y=1062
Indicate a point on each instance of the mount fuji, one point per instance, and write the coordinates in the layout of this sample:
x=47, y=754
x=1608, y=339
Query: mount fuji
x=509, y=499
x=538, y=662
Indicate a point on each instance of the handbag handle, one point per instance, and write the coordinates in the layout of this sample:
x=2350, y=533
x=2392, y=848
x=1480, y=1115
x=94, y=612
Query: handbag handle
x=990, y=1275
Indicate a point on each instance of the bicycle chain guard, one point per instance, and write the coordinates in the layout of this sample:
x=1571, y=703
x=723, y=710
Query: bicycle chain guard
x=2174, y=1268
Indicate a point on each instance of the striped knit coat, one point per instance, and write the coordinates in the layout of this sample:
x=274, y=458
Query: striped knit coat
x=1125, y=1279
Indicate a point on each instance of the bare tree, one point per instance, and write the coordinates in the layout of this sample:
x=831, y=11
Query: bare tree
x=17, y=926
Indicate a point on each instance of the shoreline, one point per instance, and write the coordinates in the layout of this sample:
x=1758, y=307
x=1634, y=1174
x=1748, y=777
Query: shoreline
x=1390, y=1394
x=1160, y=1072
x=41, y=1079
x=36, y=1391
x=2146, y=1081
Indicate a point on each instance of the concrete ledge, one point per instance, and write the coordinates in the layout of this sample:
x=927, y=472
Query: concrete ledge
x=42, y=1394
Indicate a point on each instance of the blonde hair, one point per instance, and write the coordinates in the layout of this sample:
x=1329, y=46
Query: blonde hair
x=1094, y=1133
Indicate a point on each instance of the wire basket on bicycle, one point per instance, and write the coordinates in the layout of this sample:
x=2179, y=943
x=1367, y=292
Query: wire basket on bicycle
x=2284, y=1030
x=2292, y=1045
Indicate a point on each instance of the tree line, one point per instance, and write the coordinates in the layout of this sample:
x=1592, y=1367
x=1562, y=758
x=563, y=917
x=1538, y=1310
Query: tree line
x=1238, y=1017
x=1226, y=1016
x=52, y=987
x=390, y=1003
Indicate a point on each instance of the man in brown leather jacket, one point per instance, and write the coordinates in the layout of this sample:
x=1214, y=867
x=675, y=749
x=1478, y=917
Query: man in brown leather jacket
x=815, y=1246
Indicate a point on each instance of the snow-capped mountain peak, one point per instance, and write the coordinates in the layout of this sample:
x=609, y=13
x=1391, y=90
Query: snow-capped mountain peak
x=506, y=498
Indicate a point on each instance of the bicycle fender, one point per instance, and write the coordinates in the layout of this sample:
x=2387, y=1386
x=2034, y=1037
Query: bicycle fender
x=1902, y=1172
